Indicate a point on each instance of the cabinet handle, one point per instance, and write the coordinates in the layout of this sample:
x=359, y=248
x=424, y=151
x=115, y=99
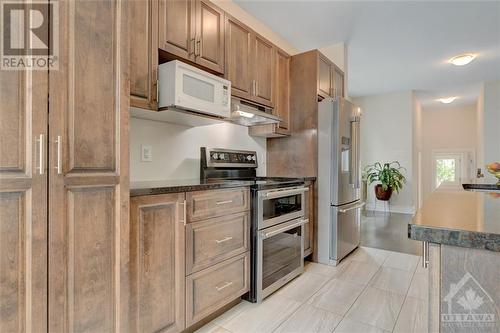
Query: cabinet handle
x=224, y=202
x=218, y=241
x=41, y=168
x=224, y=286
x=425, y=254
x=58, y=166
x=184, y=209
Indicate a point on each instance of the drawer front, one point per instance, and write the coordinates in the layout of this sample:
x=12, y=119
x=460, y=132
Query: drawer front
x=214, y=287
x=214, y=240
x=206, y=204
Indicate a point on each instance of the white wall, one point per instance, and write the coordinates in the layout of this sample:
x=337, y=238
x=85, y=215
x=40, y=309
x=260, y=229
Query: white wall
x=491, y=127
x=386, y=135
x=446, y=128
x=176, y=149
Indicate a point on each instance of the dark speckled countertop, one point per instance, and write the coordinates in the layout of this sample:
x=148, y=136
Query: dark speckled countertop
x=182, y=185
x=459, y=218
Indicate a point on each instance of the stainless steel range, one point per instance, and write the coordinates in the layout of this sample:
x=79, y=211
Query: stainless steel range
x=277, y=228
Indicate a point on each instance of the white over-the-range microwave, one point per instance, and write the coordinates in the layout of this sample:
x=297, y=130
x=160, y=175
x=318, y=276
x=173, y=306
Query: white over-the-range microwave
x=185, y=87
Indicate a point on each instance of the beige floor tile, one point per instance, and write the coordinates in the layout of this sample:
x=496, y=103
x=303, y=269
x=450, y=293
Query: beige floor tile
x=311, y=320
x=413, y=317
x=212, y=328
x=326, y=270
x=377, y=307
x=351, y=326
x=403, y=261
x=303, y=286
x=263, y=317
x=233, y=312
x=419, y=287
x=392, y=279
x=359, y=272
x=368, y=254
x=337, y=296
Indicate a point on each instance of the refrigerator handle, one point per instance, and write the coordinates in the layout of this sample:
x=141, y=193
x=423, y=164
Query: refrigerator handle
x=354, y=160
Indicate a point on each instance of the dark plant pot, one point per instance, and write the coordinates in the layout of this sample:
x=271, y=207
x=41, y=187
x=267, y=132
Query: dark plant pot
x=381, y=194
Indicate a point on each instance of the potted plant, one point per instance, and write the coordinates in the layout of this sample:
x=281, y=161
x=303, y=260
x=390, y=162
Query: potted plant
x=389, y=175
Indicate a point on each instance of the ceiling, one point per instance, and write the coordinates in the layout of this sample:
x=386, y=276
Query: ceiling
x=396, y=46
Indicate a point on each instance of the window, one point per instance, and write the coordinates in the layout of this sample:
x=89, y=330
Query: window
x=447, y=170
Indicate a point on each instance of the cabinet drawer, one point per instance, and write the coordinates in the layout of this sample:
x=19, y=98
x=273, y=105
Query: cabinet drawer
x=206, y=204
x=214, y=287
x=216, y=239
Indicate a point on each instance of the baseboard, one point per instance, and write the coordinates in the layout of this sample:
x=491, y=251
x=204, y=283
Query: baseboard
x=382, y=207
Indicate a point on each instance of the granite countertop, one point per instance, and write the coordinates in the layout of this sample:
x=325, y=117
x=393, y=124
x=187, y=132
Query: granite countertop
x=459, y=218
x=182, y=185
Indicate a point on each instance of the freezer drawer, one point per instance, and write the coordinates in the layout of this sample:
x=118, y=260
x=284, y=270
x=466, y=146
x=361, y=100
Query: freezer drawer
x=345, y=230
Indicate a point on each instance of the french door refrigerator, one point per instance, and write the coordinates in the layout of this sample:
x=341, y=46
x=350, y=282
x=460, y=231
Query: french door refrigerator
x=339, y=203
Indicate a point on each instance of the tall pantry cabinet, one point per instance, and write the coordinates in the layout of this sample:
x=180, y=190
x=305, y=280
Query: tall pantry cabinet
x=64, y=180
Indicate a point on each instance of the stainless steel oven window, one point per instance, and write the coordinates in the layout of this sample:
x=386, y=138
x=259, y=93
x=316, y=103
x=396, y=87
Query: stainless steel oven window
x=280, y=252
x=277, y=206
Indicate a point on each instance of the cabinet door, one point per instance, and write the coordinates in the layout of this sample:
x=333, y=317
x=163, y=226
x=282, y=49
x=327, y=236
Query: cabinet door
x=143, y=53
x=282, y=91
x=157, y=260
x=88, y=211
x=338, y=82
x=263, y=64
x=238, y=68
x=23, y=201
x=176, y=27
x=209, y=36
x=324, y=77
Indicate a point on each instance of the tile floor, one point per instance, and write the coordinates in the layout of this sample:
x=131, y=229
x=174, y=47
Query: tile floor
x=372, y=290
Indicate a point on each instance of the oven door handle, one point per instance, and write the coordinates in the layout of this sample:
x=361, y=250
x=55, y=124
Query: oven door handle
x=265, y=235
x=284, y=193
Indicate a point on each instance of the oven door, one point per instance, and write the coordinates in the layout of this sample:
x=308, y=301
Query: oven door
x=280, y=256
x=280, y=205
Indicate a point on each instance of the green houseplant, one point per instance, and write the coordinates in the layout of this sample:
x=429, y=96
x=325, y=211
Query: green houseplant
x=390, y=178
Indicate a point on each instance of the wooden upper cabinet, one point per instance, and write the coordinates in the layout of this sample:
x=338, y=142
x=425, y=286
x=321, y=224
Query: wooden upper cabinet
x=264, y=75
x=238, y=48
x=176, y=27
x=325, y=82
x=338, y=82
x=282, y=90
x=144, y=54
x=88, y=189
x=209, y=36
x=157, y=263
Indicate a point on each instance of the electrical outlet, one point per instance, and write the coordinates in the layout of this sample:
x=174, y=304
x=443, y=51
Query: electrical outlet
x=146, y=153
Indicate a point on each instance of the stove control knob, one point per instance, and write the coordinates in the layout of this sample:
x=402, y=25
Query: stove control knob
x=215, y=156
x=249, y=157
x=221, y=156
x=253, y=157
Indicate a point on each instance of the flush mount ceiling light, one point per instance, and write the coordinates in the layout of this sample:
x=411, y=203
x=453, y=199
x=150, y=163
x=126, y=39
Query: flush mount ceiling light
x=462, y=59
x=447, y=100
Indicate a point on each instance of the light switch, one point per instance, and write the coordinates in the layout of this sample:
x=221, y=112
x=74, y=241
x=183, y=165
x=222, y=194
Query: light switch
x=146, y=153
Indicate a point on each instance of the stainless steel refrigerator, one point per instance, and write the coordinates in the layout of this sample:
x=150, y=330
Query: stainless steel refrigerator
x=339, y=178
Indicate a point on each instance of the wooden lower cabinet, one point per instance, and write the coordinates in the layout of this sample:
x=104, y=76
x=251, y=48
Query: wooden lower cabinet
x=206, y=204
x=214, y=287
x=157, y=258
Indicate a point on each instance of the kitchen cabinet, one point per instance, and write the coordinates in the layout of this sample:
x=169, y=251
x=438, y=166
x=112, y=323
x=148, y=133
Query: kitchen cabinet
x=193, y=30
x=23, y=201
x=250, y=63
x=206, y=204
x=157, y=257
x=88, y=169
x=144, y=54
x=309, y=214
x=325, y=79
x=338, y=82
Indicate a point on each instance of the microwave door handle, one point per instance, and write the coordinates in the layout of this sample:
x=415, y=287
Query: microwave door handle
x=284, y=193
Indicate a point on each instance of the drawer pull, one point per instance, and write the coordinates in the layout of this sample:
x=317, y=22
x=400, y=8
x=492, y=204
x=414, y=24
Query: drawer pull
x=224, y=286
x=218, y=241
x=224, y=202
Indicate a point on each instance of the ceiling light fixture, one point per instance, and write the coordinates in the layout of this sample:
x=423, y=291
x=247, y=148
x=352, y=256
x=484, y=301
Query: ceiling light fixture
x=447, y=100
x=462, y=59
